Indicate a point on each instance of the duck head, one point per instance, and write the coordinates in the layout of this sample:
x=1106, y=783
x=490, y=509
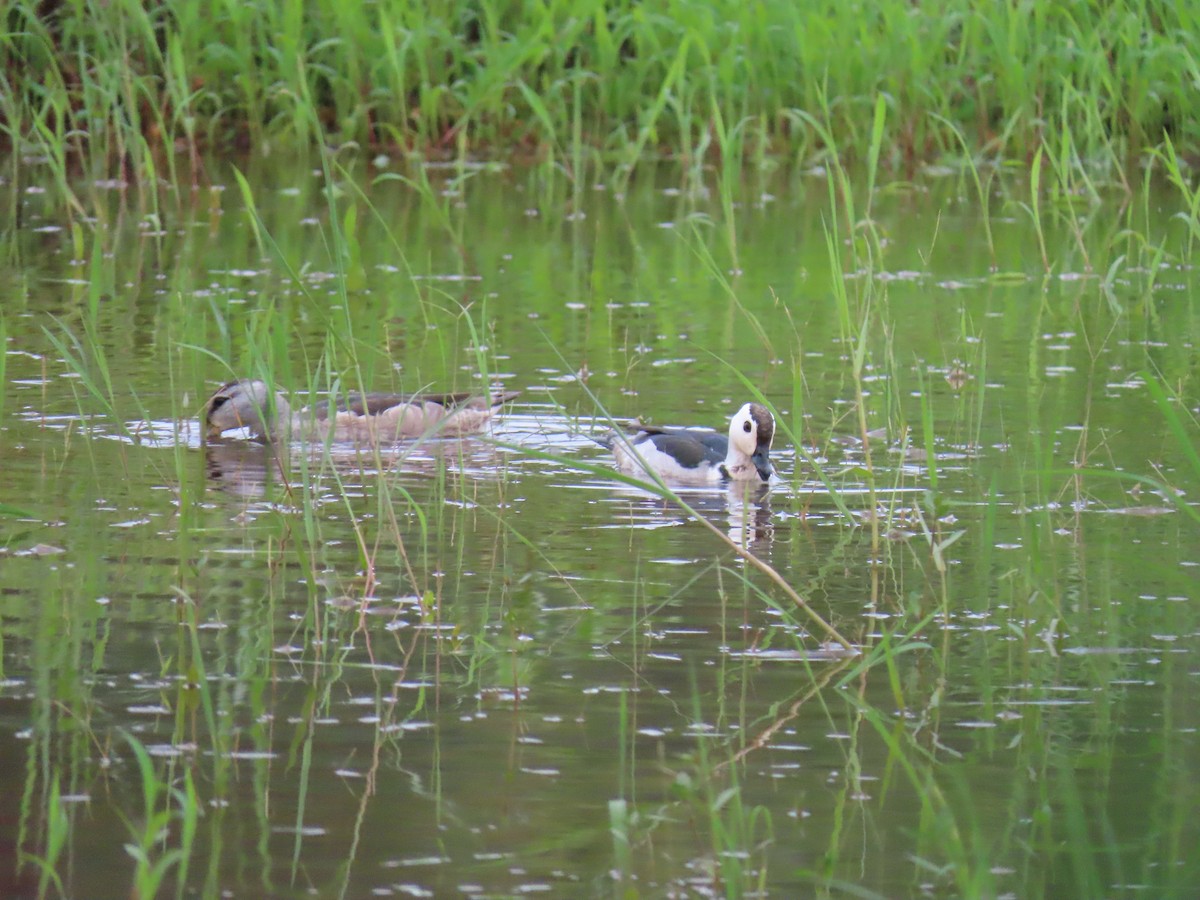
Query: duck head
x=247, y=403
x=751, y=431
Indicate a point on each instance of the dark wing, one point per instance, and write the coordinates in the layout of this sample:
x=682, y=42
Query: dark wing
x=689, y=448
x=375, y=404
x=361, y=404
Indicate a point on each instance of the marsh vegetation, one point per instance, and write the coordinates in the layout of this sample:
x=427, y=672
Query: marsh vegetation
x=950, y=652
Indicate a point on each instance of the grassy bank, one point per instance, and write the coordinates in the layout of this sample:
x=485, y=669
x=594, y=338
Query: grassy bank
x=602, y=81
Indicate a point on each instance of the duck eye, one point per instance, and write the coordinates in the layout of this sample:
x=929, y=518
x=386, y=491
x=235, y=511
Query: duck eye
x=746, y=426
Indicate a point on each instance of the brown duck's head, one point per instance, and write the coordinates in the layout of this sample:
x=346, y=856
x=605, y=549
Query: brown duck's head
x=246, y=403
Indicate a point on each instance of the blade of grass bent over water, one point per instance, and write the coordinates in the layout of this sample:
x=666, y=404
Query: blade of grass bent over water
x=659, y=488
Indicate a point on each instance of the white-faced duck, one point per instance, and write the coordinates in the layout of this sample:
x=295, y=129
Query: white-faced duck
x=701, y=456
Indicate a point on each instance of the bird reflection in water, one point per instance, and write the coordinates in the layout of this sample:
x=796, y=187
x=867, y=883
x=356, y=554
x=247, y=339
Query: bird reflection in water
x=743, y=509
x=257, y=471
x=246, y=469
x=748, y=505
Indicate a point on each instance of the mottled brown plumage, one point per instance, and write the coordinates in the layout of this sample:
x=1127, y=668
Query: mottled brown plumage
x=253, y=404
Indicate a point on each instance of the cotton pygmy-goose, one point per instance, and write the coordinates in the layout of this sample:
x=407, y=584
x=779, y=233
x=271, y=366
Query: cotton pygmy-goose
x=698, y=455
x=254, y=404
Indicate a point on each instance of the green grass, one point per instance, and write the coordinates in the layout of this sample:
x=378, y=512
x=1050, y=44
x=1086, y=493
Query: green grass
x=118, y=84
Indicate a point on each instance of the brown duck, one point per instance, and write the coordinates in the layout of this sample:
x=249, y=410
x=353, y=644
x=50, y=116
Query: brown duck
x=254, y=404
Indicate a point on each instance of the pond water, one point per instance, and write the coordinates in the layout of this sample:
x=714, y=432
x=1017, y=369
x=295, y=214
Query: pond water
x=488, y=667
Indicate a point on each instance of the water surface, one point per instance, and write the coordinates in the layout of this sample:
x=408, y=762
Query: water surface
x=485, y=667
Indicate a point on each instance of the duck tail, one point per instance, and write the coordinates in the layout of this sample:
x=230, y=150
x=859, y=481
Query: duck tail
x=499, y=398
x=623, y=431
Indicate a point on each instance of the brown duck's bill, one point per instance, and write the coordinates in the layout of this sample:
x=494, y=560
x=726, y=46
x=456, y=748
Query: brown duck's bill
x=215, y=431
